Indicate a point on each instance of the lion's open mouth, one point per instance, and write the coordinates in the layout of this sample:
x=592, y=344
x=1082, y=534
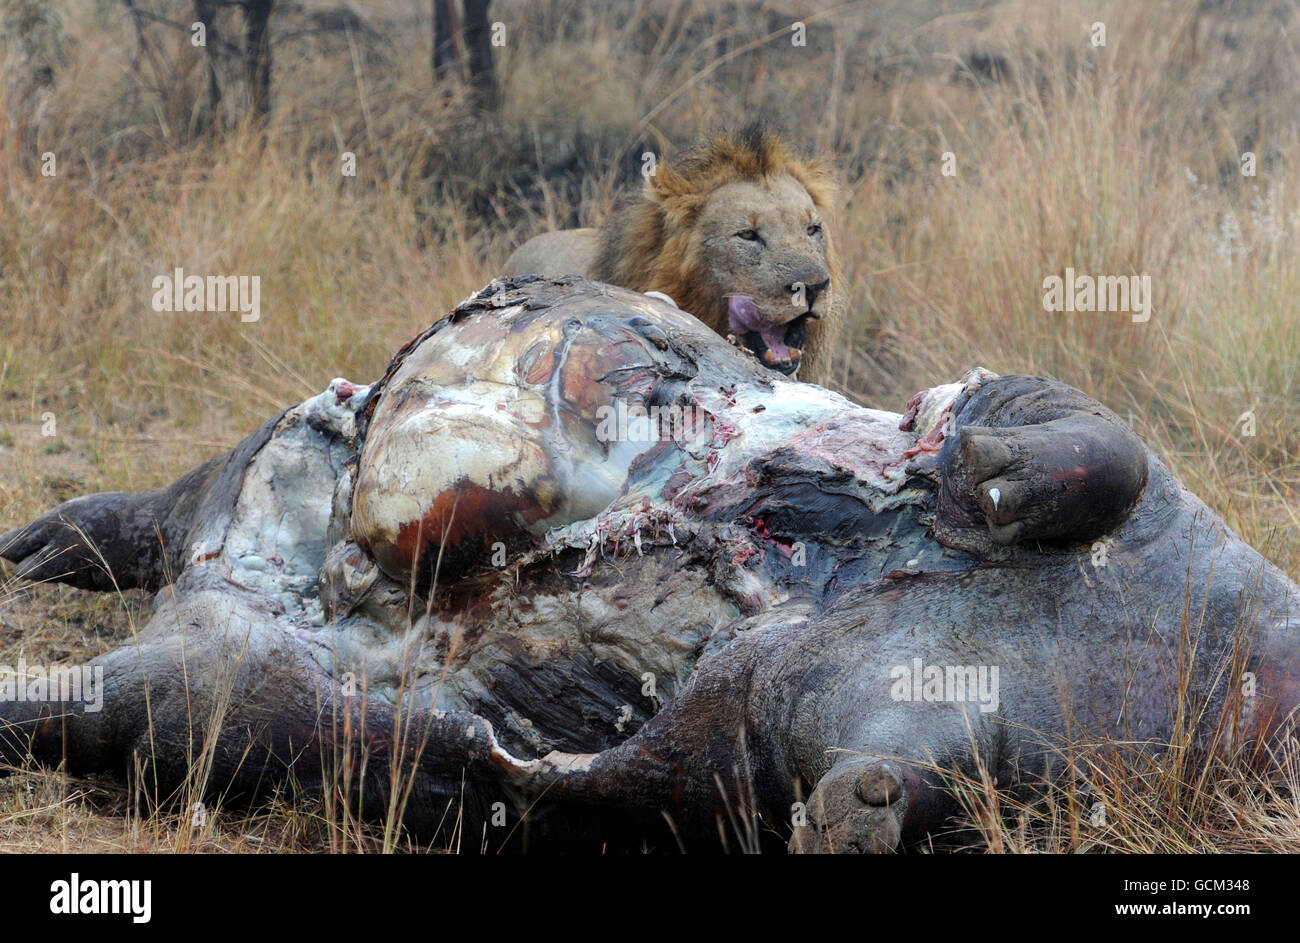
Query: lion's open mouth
x=778, y=346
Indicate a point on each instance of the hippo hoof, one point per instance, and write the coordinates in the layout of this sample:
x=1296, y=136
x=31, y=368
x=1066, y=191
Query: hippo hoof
x=1072, y=478
x=1000, y=496
x=855, y=809
x=61, y=545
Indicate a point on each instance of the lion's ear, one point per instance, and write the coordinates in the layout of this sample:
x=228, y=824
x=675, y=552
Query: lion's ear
x=664, y=183
x=677, y=198
x=818, y=177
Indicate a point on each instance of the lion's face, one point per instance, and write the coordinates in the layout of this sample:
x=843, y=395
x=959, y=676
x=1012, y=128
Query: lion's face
x=734, y=234
x=763, y=245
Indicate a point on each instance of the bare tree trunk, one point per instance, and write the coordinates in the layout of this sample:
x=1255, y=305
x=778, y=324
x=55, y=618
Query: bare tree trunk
x=205, y=11
x=478, y=37
x=444, y=39
x=257, y=55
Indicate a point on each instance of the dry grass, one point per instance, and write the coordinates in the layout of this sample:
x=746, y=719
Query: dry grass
x=1123, y=159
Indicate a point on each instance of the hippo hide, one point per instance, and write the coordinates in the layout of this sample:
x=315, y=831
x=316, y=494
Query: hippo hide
x=578, y=565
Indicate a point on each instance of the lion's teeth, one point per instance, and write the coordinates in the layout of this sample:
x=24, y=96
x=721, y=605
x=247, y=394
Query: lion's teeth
x=771, y=358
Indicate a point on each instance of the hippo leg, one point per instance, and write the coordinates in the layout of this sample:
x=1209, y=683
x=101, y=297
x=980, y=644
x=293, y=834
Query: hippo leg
x=103, y=541
x=225, y=706
x=1034, y=460
x=713, y=756
x=123, y=540
x=1069, y=478
x=681, y=770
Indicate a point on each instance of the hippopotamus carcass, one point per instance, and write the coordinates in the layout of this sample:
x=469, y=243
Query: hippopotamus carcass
x=578, y=561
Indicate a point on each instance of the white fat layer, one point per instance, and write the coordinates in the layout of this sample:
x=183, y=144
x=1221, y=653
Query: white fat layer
x=277, y=537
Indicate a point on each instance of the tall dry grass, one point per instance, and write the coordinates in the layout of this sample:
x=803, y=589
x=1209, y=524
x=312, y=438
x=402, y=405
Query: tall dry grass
x=1122, y=159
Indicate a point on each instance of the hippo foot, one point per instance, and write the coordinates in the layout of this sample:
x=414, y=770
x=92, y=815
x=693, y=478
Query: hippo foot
x=1001, y=489
x=856, y=808
x=1074, y=478
x=81, y=543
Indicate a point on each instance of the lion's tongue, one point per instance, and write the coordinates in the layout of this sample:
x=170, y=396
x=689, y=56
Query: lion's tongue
x=743, y=316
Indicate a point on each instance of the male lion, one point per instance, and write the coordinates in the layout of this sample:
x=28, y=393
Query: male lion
x=736, y=234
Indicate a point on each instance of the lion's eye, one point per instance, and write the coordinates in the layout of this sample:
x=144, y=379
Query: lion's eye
x=814, y=229
x=749, y=235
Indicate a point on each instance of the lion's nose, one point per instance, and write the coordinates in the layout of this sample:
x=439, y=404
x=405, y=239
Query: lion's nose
x=810, y=292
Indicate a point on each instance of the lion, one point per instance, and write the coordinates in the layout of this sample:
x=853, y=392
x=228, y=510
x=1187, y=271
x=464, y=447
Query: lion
x=735, y=233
